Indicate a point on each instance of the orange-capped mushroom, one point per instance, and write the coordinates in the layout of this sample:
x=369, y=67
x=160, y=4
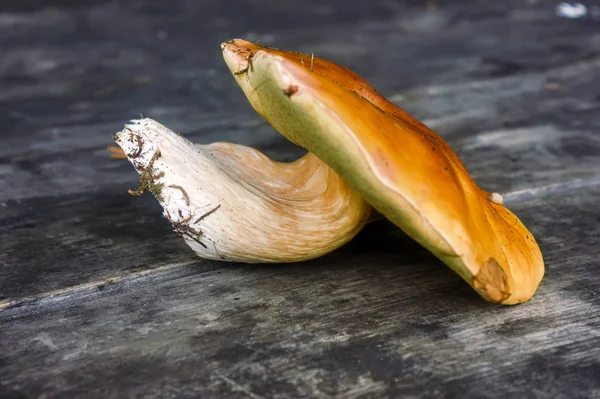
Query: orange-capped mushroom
x=396, y=163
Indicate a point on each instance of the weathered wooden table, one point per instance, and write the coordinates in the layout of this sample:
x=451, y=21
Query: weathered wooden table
x=99, y=298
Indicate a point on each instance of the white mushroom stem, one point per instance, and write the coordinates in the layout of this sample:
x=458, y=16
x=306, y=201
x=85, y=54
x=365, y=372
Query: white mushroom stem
x=231, y=202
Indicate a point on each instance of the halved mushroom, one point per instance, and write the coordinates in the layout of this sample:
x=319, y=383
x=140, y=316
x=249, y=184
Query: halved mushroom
x=402, y=168
x=231, y=202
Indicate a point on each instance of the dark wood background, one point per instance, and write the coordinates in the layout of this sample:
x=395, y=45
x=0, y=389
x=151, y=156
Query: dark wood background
x=99, y=298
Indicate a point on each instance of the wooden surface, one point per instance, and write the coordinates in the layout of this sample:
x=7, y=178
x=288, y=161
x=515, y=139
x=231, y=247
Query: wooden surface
x=99, y=298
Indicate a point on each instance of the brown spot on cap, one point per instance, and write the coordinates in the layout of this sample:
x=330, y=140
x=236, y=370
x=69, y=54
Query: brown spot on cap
x=492, y=282
x=291, y=90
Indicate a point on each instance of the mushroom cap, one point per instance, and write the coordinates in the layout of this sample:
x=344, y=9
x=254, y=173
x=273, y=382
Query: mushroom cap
x=400, y=166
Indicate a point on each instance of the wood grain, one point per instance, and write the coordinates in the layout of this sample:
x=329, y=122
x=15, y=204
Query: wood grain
x=380, y=317
x=99, y=298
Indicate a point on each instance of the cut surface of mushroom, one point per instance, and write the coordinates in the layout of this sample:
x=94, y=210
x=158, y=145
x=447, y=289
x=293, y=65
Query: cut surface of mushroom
x=230, y=202
x=400, y=166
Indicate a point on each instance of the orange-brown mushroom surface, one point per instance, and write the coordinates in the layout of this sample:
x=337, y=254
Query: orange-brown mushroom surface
x=402, y=168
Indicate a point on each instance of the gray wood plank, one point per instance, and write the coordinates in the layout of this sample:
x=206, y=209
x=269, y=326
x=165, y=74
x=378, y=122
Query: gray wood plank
x=54, y=243
x=84, y=230
x=71, y=94
x=99, y=298
x=379, y=318
x=514, y=134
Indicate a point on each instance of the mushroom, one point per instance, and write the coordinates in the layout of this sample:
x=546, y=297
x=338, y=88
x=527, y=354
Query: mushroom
x=232, y=203
x=397, y=164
